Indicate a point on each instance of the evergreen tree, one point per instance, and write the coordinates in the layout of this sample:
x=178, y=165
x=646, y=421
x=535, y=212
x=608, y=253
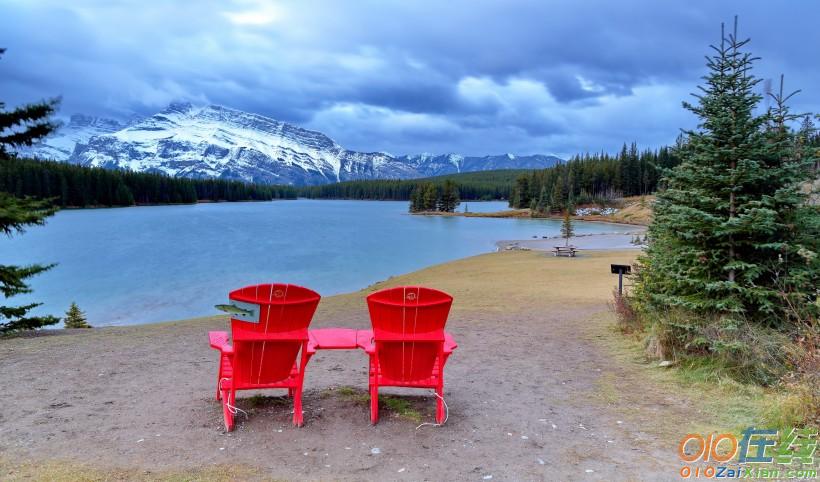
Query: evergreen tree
x=430, y=197
x=515, y=198
x=416, y=199
x=15, y=215
x=75, y=318
x=449, y=200
x=724, y=233
x=807, y=140
x=522, y=190
x=806, y=131
x=557, y=197
x=22, y=126
x=541, y=205
x=567, y=229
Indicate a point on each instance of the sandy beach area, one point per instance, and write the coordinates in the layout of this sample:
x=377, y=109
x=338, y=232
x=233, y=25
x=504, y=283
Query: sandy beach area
x=540, y=388
x=597, y=242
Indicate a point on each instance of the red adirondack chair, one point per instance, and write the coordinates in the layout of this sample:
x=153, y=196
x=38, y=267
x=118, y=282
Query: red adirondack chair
x=408, y=346
x=270, y=344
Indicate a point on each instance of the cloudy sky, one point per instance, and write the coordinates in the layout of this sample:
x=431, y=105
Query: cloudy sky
x=475, y=77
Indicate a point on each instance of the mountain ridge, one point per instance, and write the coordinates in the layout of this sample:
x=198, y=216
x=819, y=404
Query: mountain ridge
x=184, y=140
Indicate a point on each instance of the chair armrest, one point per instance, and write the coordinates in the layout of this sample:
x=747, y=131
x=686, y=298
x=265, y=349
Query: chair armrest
x=364, y=340
x=219, y=341
x=449, y=343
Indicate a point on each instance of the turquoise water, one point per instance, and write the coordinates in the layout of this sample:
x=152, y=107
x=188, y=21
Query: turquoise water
x=140, y=265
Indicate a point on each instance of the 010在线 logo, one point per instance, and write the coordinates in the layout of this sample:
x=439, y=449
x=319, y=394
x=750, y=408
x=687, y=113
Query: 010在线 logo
x=758, y=453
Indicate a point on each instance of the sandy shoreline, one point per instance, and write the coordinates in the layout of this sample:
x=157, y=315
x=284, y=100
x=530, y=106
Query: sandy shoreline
x=598, y=242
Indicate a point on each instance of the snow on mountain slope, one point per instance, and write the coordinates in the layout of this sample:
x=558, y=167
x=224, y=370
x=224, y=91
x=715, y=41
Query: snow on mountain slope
x=79, y=129
x=436, y=165
x=216, y=141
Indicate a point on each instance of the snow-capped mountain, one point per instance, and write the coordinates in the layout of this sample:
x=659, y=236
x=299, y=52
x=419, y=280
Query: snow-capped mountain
x=78, y=130
x=215, y=141
x=436, y=165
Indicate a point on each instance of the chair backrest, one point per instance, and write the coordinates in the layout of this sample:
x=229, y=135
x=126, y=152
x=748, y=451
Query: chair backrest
x=408, y=328
x=267, y=342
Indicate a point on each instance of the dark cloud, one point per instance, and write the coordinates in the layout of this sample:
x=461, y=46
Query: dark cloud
x=467, y=76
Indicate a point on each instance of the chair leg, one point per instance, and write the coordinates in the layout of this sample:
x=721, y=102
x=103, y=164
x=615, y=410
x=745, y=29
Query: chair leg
x=440, y=404
x=228, y=398
x=218, y=378
x=374, y=404
x=299, y=372
x=297, y=407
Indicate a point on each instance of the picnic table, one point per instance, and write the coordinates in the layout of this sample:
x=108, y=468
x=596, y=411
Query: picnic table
x=564, y=251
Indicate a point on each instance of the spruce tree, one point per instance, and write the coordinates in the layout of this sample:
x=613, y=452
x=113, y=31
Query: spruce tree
x=15, y=214
x=807, y=130
x=416, y=199
x=430, y=197
x=567, y=229
x=724, y=232
x=542, y=206
x=807, y=140
x=514, y=198
x=449, y=200
x=123, y=196
x=75, y=318
x=522, y=190
x=22, y=126
x=557, y=197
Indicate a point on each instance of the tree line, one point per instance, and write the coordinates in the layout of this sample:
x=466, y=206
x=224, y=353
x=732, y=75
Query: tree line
x=70, y=185
x=585, y=178
x=472, y=186
x=589, y=178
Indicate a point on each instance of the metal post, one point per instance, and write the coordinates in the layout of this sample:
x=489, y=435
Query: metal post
x=620, y=269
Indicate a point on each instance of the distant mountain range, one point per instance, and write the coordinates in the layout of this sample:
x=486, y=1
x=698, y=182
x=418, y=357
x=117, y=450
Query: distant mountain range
x=215, y=141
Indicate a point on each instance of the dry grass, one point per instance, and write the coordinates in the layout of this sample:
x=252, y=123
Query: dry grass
x=722, y=404
x=635, y=210
x=69, y=471
x=506, y=281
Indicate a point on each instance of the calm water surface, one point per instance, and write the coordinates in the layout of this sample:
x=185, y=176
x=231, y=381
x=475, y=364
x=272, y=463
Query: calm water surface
x=147, y=264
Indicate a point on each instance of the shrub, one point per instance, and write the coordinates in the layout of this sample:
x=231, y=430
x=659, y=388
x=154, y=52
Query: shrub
x=801, y=405
x=75, y=318
x=627, y=318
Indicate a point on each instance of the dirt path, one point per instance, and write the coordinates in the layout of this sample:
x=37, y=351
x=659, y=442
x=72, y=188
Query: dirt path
x=533, y=394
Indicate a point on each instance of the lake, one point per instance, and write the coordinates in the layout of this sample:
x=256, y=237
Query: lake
x=148, y=264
